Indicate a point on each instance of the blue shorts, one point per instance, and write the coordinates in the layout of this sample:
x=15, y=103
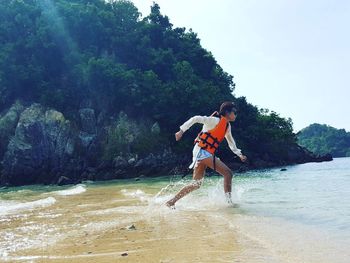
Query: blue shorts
x=202, y=154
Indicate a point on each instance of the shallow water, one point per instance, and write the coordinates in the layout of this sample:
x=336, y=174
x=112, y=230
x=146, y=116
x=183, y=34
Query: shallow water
x=298, y=215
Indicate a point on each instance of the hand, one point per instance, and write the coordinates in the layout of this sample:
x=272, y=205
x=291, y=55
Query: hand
x=178, y=135
x=243, y=158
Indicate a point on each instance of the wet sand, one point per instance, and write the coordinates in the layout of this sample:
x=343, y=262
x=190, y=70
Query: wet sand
x=158, y=242
x=127, y=223
x=90, y=227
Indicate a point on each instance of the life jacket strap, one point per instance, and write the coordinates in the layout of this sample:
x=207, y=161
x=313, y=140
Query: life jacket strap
x=205, y=139
x=214, y=167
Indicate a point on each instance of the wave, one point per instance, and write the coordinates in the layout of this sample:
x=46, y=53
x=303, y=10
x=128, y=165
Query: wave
x=8, y=207
x=78, y=189
x=135, y=193
x=305, y=243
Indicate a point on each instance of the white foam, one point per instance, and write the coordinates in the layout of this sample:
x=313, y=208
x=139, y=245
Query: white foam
x=135, y=194
x=78, y=189
x=9, y=207
x=210, y=196
x=117, y=210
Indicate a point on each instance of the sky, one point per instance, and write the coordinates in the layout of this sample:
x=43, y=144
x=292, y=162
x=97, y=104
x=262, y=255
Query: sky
x=292, y=57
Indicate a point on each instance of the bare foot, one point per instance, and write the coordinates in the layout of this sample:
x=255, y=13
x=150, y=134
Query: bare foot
x=234, y=205
x=170, y=204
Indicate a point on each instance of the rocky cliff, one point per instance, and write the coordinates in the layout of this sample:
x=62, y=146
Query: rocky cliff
x=39, y=145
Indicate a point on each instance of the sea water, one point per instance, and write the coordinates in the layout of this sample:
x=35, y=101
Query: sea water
x=301, y=214
x=315, y=194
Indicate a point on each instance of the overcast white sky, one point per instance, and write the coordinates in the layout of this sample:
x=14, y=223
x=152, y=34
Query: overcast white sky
x=291, y=56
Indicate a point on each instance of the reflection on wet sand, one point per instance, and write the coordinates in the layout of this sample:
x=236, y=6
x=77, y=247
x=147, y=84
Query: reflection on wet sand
x=124, y=221
x=94, y=226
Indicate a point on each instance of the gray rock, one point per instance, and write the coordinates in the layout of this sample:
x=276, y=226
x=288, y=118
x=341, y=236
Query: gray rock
x=86, y=139
x=101, y=118
x=131, y=227
x=8, y=123
x=88, y=132
x=63, y=180
x=88, y=120
x=140, y=163
x=132, y=160
x=155, y=129
x=41, y=148
x=120, y=162
x=139, y=177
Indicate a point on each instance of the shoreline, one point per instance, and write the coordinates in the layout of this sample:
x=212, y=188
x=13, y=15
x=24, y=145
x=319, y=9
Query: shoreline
x=175, y=171
x=184, y=237
x=101, y=222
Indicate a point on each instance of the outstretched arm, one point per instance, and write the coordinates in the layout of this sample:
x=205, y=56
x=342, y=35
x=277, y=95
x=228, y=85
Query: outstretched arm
x=195, y=119
x=232, y=144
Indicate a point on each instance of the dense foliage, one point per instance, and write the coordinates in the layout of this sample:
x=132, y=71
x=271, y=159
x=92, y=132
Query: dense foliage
x=322, y=139
x=59, y=52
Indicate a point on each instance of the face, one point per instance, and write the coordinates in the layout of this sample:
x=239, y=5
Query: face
x=231, y=116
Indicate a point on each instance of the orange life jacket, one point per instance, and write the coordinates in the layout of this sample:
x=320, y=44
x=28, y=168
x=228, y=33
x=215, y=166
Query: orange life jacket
x=211, y=139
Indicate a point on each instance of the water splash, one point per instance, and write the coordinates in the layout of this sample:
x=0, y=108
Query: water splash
x=8, y=207
x=78, y=189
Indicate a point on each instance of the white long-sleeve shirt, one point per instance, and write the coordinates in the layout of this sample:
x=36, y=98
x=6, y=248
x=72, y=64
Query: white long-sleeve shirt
x=209, y=122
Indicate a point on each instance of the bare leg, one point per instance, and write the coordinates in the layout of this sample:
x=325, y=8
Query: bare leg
x=198, y=174
x=226, y=172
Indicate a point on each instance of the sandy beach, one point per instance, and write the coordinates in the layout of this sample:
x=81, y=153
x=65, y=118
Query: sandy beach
x=125, y=229
x=127, y=221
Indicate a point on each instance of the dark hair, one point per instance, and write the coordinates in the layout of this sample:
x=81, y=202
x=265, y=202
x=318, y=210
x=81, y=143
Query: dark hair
x=226, y=107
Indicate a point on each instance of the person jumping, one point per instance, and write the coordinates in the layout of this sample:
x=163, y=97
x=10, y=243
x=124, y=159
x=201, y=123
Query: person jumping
x=214, y=130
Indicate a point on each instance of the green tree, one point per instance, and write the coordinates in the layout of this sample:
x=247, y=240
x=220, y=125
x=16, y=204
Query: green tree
x=322, y=139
